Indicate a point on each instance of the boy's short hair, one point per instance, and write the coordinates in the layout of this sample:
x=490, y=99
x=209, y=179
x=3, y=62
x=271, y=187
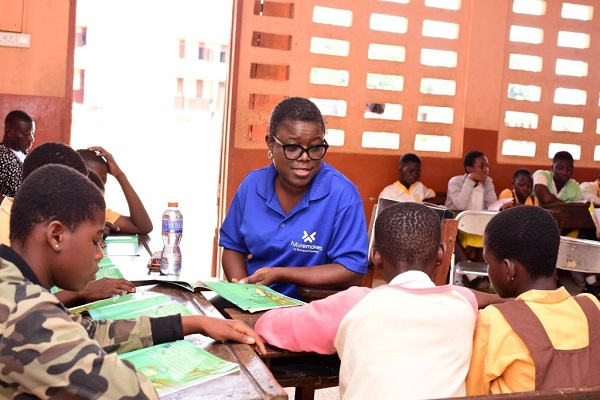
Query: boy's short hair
x=90, y=156
x=53, y=192
x=96, y=180
x=52, y=153
x=410, y=157
x=16, y=116
x=295, y=109
x=562, y=155
x=470, y=157
x=408, y=234
x=527, y=234
x=521, y=171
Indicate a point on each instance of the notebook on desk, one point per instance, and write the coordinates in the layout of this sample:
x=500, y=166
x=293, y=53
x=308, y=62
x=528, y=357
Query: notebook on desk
x=122, y=245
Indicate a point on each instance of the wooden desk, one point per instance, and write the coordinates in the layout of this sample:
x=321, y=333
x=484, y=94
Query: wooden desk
x=571, y=215
x=253, y=381
x=304, y=371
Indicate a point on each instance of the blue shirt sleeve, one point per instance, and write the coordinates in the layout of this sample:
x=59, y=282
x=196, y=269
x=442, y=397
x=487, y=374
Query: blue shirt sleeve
x=230, y=235
x=349, y=242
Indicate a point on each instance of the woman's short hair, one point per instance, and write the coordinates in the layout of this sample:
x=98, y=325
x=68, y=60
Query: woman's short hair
x=295, y=109
x=53, y=153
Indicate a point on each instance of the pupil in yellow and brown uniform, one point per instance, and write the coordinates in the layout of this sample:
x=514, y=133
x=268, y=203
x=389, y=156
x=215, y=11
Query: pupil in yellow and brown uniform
x=56, y=225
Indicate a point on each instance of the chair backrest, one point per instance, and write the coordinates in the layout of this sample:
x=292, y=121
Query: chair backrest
x=578, y=255
x=449, y=229
x=474, y=222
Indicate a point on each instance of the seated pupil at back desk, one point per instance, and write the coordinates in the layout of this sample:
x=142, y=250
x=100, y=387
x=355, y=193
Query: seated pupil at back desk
x=408, y=187
x=522, y=191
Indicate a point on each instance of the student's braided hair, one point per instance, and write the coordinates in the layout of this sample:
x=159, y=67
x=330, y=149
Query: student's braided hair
x=53, y=192
x=408, y=234
x=527, y=234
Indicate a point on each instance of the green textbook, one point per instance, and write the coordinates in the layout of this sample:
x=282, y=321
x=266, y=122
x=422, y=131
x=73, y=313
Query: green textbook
x=106, y=269
x=248, y=297
x=121, y=245
x=251, y=297
x=176, y=365
x=133, y=306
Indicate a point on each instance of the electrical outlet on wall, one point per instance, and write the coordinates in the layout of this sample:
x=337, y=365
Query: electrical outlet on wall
x=12, y=39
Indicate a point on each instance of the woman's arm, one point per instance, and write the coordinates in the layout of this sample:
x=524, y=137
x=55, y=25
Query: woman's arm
x=234, y=265
x=329, y=276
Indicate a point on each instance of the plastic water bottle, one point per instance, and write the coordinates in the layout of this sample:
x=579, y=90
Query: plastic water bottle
x=172, y=228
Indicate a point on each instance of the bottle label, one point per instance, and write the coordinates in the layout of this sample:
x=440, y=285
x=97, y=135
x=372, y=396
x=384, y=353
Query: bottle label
x=172, y=226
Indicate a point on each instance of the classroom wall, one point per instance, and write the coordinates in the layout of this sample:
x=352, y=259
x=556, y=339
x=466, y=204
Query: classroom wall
x=38, y=79
x=371, y=173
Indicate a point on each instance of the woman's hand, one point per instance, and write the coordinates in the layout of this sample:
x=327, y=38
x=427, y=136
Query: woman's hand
x=222, y=329
x=263, y=276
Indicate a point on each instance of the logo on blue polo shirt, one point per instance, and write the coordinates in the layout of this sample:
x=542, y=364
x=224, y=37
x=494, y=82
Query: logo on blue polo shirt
x=309, y=238
x=307, y=246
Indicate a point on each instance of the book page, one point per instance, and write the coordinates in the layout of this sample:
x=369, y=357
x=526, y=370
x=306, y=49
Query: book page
x=177, y=365
x=154, y=306
x=252, y=298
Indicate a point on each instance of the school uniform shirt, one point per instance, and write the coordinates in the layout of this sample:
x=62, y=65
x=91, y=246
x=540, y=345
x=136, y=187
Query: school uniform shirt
x=406, y=340
x=510, y=194
x=45, y=349
x=464, y=194
x=327, y=225
x=501, y=362
x=590, y=191
x=416, y=193
x=5, y=208
x=569, y=192
x=11, y=170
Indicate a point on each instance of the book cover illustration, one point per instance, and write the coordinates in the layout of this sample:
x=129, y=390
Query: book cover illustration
x=176, y=365
x=251, y=297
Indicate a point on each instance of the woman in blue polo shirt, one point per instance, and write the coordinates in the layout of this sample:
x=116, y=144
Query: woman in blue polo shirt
x=297, y=221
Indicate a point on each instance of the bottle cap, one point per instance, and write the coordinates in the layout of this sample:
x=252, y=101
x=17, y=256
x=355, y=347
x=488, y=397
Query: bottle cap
x=173, y=204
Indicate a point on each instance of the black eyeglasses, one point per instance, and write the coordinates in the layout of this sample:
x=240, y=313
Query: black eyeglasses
x=294, y=152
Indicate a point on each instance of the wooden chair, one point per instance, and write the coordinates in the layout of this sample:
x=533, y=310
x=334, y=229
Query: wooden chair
x=449, y=230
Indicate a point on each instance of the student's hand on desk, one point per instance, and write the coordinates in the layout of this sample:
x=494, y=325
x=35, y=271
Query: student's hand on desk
x=106, y=287
x=263, y=276
x=222, y=329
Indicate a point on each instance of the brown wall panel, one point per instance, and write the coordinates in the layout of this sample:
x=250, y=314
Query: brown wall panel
x=53, y=122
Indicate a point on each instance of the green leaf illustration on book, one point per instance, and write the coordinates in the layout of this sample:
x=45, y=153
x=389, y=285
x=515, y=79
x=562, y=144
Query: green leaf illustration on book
x=251, y=297
x=177, y=365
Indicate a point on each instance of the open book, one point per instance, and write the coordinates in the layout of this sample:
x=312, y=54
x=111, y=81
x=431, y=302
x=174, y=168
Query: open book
x=595, y=214
x=133, y=306
x=248, y=297
x=177, y=365
x=251, y=297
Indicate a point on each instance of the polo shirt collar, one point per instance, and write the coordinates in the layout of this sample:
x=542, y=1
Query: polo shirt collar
x=545, y=296
x=319, y=187
x=413, y=279
x=12, y=256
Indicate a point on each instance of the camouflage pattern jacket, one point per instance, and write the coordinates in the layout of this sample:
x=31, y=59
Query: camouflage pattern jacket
x=47, y=352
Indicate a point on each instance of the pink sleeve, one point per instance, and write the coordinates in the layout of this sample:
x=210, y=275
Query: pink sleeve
x=312, y=327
